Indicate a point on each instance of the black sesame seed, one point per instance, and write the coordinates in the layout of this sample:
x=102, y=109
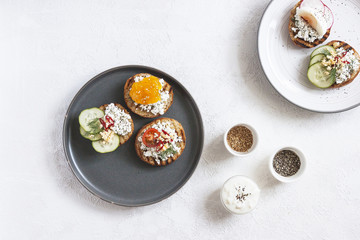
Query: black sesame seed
x=286, y=163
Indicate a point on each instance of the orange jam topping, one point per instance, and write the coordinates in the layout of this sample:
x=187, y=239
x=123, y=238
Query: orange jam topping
x=146, y=91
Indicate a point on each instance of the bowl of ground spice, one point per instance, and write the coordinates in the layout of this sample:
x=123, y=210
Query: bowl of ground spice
x=288, y=164
x=241, y=139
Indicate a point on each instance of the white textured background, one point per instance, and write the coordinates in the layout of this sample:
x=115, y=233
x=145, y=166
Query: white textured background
x=49, y=49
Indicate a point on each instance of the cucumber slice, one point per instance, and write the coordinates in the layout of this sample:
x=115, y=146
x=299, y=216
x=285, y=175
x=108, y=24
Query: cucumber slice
x=104, y=147
x=324, y=50
x=89, y=120
x=320, y=77
x=317, y=58
x=90, y=136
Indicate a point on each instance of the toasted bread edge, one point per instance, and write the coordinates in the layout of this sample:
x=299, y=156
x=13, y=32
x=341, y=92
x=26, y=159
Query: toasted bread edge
x=150, y=160
x=346, y=46
x=131, y=104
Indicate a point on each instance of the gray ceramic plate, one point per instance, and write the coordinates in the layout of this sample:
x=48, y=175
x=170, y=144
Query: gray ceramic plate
x=121, y=177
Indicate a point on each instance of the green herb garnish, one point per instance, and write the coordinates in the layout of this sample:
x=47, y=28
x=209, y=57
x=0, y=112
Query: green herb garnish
x=326, y=52
x=94, y=124
x=167, y=152
x=333, y=72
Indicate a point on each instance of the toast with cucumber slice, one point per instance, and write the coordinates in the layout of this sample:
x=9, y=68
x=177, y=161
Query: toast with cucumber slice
x=108, y=126
x=340, y=44
x=148, y=110
x=333, y=65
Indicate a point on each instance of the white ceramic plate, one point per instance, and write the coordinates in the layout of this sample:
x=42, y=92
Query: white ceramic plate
x=285, y=64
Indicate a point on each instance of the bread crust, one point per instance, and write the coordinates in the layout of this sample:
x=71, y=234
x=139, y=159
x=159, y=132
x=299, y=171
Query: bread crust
x=135, y=108
x=179, y=131
x=301, y=42
x=123, y=139
x=347, y=47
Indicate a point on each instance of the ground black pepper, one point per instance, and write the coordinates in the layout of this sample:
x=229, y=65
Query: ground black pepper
x=240, y=138
x=286, y=163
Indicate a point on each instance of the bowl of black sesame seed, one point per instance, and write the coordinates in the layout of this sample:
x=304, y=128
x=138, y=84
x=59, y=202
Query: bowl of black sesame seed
x=288, y=164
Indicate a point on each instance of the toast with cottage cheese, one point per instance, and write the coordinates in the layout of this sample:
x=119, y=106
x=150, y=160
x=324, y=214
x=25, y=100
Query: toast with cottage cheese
x=123, y=138
x=170, y=130
x=301, y=42
x=149, y=110
x=340, y=44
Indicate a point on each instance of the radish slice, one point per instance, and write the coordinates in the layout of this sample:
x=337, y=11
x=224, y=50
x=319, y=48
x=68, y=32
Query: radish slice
x=329, y=12
x=318, y=4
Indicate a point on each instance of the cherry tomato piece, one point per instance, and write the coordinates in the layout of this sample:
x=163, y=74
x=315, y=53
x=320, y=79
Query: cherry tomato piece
x=150, y=137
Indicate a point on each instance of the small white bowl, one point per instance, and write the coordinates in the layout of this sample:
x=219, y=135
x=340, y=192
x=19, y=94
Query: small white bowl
x=255, y=141
x=255, y=201
x=294, y=177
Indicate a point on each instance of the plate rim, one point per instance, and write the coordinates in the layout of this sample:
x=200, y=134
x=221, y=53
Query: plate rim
x=267, y=77
x=197, y=113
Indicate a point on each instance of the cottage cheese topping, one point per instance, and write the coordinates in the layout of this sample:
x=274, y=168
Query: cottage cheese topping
x=139, y=78
x=169, y=149
x=158, y=107
x=347, y=66
x=344, y=62
x=122, y=123
x=304, y=30
x=240, y=194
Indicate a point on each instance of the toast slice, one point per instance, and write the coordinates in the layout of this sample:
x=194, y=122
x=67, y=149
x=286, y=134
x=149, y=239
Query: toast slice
x=301, y=42
x=123, y=139
x=151, y=160
x=135, y=108
x=340, y=44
